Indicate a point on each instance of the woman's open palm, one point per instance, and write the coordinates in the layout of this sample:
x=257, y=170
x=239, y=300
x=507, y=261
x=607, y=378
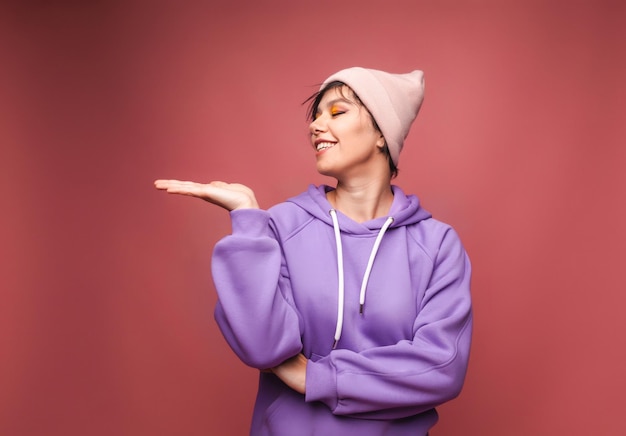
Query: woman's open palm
x=230, y=196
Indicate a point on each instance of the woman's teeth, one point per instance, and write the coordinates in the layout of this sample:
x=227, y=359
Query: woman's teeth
x=324, y=145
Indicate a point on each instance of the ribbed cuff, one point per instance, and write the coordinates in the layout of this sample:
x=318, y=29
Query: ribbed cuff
x=321, y=382
x=250, y=222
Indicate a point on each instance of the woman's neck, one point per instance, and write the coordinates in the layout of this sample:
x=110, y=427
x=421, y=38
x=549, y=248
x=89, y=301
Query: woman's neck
x=362, y=201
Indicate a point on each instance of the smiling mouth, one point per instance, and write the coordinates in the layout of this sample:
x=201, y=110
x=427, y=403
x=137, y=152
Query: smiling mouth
x=324, y=145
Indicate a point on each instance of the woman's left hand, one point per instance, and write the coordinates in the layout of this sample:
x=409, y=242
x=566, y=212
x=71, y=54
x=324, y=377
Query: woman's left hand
x=293, y=372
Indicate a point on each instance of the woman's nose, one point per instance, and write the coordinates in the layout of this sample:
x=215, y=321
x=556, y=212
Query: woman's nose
x=317, y=126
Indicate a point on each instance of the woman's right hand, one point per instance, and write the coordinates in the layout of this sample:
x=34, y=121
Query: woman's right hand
x=230, y=196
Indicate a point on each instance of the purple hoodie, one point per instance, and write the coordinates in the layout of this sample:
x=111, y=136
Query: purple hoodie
x=393, y=294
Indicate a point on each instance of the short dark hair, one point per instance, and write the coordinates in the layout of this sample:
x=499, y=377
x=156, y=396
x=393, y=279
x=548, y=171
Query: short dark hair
x=314, y=102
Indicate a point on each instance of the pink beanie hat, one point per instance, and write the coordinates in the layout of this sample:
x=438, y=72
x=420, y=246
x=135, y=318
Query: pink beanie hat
x=393, y=100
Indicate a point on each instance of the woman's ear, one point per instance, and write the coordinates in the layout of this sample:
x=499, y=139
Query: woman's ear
x=380, y=143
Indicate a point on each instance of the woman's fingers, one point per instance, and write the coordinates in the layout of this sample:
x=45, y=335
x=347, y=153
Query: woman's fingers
x=230, y=196
x=177, y=186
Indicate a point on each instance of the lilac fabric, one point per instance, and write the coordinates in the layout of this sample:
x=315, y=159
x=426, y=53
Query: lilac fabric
x=276, y=278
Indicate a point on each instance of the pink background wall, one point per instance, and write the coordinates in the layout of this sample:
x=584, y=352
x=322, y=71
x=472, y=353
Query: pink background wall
x=106, y=323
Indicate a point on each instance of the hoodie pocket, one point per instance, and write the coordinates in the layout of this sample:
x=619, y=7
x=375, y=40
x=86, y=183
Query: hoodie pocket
x=315, y=357
x=288, y=414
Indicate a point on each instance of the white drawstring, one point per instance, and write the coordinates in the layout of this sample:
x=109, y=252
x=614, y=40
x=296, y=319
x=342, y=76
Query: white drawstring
x=340, y=290
x=368, y=270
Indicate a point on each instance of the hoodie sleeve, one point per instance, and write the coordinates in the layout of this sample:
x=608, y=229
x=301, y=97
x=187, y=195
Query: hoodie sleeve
x=255, y=311
x=412, y=376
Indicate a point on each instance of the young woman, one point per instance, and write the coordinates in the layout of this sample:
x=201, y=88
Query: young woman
x=352, y=301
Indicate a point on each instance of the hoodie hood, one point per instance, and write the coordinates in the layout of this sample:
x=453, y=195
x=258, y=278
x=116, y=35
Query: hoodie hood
x=405, y=210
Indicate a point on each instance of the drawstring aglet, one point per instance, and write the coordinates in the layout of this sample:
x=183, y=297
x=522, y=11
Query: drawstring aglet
x=361, y=309
x=334, y=344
